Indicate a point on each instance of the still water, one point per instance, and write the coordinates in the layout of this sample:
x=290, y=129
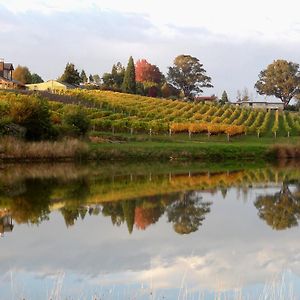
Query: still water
x=150, y=231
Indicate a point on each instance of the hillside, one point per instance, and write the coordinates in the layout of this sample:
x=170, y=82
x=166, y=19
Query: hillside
x=117, y=112
x=112, y=113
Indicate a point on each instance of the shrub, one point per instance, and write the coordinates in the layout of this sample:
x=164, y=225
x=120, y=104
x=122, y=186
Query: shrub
x=77, y=121
x=33, y=114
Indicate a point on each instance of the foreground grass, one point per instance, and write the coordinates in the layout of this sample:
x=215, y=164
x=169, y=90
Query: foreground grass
x=176, y=150
x=12, y=149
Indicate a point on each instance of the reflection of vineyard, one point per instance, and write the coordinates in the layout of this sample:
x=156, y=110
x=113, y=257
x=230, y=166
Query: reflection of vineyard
x=139, y=199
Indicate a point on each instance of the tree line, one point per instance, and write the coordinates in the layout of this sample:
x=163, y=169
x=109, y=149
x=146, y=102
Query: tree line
x=186, y=78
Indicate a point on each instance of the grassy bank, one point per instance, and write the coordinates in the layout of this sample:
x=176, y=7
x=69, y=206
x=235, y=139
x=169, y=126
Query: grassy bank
x=71, y=150
x=177, y=151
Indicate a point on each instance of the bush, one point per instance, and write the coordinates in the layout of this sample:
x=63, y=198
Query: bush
x=33, y=114
x=77, y=121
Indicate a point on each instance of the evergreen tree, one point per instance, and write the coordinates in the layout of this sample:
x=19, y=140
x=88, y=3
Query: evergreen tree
x=91, y=78
x=83, y=77
x=224, y=98
x=70, y=75
x=129, y=83
x=35, y=78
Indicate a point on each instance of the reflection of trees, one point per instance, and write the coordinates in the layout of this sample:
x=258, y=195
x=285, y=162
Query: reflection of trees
x=128, y=211
x=145, y=215
x=32, y=205
x=71, y=214
x=115, y=211
x=76, y=195
x=188, y=213
x=281, y=210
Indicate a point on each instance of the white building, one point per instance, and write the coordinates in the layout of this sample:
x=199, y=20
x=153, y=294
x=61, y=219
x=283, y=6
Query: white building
x=273, y=105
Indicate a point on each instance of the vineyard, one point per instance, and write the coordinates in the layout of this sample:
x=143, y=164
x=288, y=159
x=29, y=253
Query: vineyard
x=133, y=114
x=116, y=112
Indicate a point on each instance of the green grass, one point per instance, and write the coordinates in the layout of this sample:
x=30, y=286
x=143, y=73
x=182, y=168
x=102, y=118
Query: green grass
x=180, y=147
x=178, y=151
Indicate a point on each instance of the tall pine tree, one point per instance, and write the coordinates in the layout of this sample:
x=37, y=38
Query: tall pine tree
x=70, y=75
x=83, y=77
x=129, y=83
x=224, y=99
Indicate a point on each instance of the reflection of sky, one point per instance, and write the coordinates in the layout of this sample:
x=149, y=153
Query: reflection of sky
x=233, y=249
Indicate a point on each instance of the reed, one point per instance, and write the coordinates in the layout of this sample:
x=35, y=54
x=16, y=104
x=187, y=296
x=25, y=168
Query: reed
x=15, y=149
x=286, y=151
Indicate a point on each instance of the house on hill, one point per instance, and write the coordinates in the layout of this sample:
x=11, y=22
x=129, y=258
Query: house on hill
x=206, y=99
x=6, y=79
x=268, y=105
x=53, y=86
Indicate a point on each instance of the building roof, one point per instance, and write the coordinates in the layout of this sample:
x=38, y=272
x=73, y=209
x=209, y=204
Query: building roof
x=206, y=98
x=8, y=66
x=263, y=102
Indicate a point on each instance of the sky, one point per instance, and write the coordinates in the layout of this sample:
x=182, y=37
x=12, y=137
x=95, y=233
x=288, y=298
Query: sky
x=234, y=40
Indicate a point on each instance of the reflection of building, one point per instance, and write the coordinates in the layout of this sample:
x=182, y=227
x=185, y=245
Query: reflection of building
x=6, y=224
x=6, y=80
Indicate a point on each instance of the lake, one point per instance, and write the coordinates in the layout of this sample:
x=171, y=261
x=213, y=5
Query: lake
x=150, y=231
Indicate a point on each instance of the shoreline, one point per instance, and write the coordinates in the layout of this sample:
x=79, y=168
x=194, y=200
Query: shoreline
x=76, y=151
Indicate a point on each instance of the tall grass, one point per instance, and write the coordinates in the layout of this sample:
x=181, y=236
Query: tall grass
x=286, y=151
x=14, y=149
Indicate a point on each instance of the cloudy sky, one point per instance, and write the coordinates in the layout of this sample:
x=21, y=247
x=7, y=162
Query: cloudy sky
x=233, y=39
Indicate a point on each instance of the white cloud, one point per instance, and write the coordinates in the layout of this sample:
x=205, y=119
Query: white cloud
x=233, y=17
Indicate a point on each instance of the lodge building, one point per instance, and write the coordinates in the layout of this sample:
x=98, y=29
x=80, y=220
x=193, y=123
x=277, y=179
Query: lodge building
x=6, y=78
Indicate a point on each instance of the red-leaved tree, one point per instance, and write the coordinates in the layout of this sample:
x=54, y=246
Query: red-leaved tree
x=146, y=72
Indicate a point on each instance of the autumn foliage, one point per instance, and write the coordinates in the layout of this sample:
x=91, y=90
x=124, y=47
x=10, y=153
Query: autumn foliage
x=146, y=72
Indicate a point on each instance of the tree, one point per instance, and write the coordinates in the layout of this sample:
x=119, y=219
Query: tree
x=96, y=79
x=129, y=83
x=146, y=72
x=91, y=78
x=168, y=90
x=117, y=73
x=77, y=120
x=35, y=78
x=281, y=79
x=83, y=77
x=22, y=74
x=70, y=75
x=188, y=75
x=224, y=98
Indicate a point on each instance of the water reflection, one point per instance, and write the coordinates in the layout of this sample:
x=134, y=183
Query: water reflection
x=130, y=231
x=140, y=198
x=280, y=210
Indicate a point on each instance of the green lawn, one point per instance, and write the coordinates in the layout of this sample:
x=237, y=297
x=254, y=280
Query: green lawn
x=181, y=147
